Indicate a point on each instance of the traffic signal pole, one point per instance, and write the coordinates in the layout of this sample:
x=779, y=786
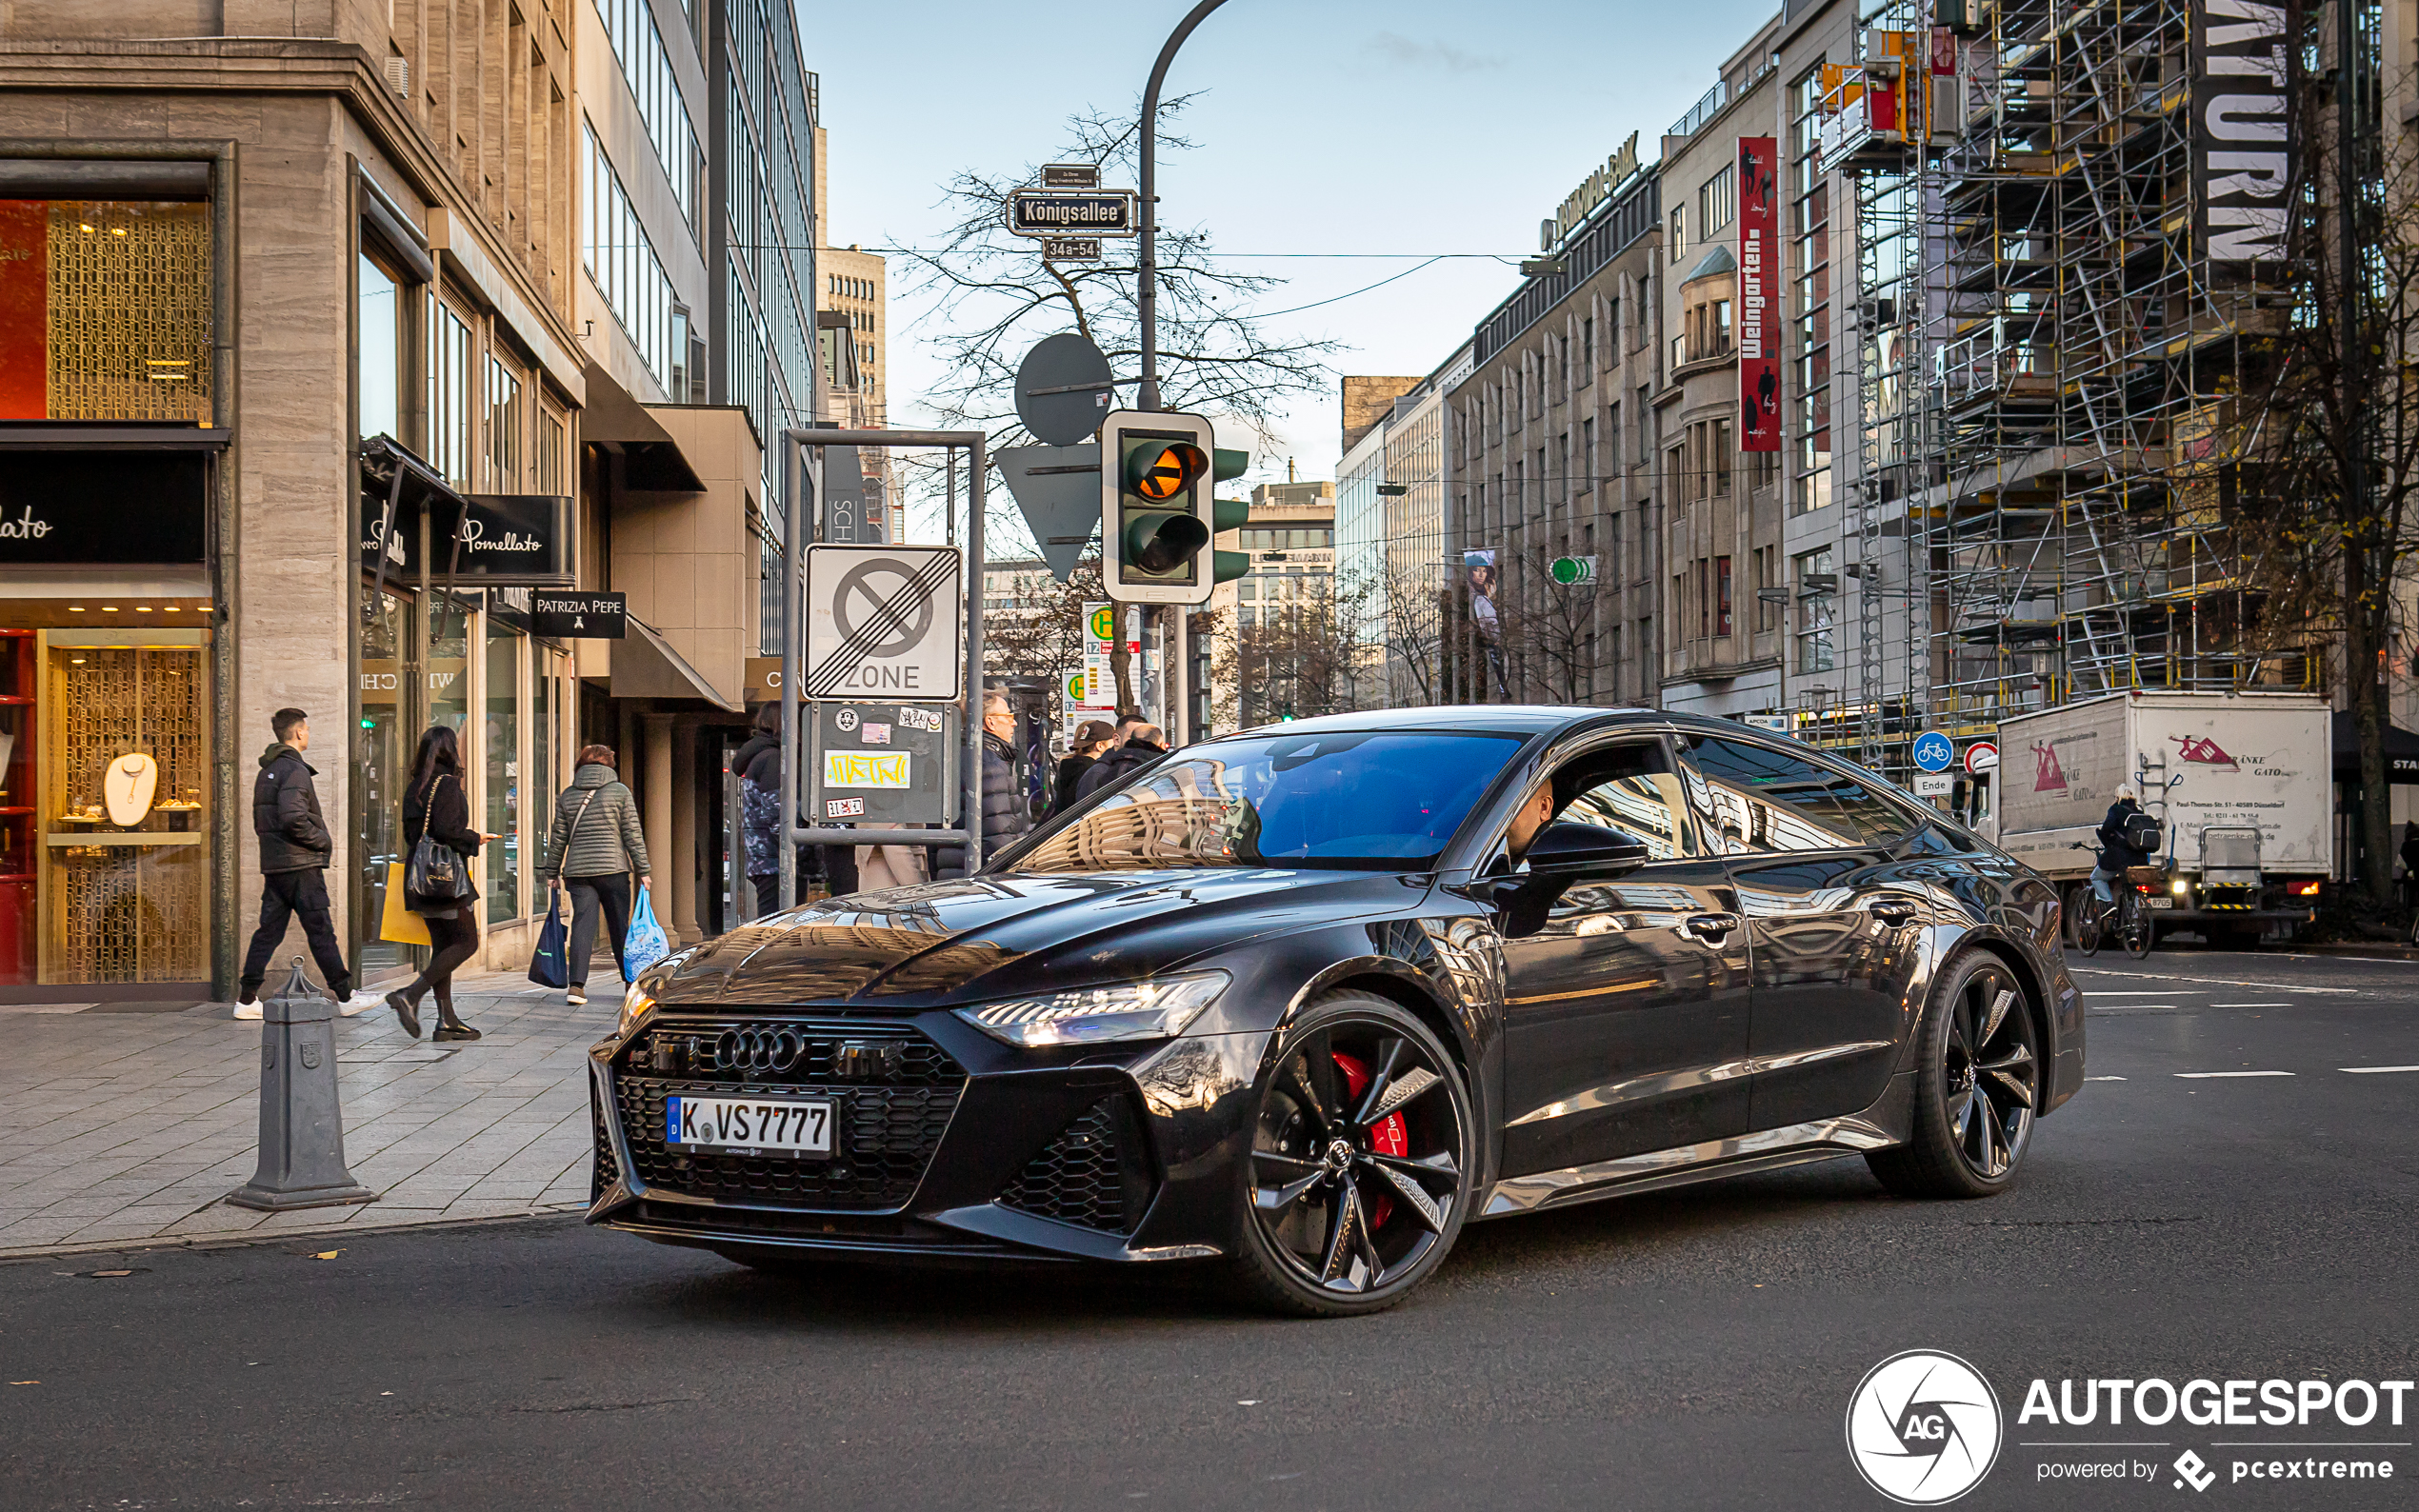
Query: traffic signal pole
x=1178, y=678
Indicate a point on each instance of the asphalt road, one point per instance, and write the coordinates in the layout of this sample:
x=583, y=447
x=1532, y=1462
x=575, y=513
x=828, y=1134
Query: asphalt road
x=1689, y=1349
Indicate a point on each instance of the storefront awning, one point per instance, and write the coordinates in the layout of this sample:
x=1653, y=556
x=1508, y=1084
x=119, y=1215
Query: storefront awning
x=651, y=460
x=2402, y=751
x=646, y=666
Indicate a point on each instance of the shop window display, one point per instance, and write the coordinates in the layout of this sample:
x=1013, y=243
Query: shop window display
x=104, y=310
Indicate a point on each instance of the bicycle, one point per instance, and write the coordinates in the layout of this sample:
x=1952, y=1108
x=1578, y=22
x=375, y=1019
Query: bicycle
x=2127, y=918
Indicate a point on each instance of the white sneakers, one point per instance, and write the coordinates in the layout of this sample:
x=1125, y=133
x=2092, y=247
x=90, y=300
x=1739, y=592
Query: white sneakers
x=575, y=996
x=357, y=1004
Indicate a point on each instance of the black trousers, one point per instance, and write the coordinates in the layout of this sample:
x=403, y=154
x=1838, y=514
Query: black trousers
x=769, y=892
x=607, y=893
x=450, y=943
x=286, y=895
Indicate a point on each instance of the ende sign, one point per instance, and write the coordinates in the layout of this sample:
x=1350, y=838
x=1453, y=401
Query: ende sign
x=1593, y=190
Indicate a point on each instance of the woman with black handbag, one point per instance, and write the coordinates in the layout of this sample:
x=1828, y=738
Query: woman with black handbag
x=438, y=838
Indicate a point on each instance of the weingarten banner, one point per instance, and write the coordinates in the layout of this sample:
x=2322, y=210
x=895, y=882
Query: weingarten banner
x=1759, y=298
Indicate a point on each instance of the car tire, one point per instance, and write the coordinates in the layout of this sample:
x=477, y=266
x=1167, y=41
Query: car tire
x=1352, y=1190
x=1978, y=1081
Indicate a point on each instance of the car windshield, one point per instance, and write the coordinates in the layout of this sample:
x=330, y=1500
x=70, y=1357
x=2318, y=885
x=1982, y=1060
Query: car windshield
x=1376, y=799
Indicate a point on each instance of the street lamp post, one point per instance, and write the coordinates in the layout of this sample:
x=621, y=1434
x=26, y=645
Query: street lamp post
x=1177, y=677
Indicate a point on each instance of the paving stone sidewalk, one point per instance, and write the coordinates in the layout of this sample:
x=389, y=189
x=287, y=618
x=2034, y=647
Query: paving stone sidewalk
x=129, y=1128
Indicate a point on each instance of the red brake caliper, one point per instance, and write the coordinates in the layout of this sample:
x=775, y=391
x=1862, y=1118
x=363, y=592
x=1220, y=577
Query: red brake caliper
x=1388, y=1137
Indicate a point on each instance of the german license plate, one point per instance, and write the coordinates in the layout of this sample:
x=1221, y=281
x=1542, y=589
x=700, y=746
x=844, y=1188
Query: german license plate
x=2160, y=901
x=792, y=1126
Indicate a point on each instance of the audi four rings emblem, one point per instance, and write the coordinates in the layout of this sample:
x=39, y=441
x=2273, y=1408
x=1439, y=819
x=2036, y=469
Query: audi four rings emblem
x=758, y=1050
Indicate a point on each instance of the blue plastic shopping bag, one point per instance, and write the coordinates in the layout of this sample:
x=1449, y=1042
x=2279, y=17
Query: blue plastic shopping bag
x=644, y=945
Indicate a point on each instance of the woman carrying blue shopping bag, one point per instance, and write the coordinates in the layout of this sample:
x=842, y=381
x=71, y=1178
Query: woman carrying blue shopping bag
x=595, y=851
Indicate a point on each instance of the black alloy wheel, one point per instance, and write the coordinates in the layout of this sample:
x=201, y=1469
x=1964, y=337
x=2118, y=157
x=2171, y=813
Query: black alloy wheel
x=1978, y=1083
x=1362, y=1151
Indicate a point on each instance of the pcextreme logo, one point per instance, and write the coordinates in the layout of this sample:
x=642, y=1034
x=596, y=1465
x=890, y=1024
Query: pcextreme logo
x=1923, y=1428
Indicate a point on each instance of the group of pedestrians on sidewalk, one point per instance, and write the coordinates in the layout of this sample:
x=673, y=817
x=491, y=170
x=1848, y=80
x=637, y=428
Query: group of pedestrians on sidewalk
x=595, y=852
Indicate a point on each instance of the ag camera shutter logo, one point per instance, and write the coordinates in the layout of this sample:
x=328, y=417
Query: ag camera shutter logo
x=1924, y=1428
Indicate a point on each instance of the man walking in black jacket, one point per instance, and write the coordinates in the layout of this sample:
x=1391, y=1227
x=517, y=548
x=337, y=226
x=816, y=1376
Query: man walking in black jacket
x=295, y=848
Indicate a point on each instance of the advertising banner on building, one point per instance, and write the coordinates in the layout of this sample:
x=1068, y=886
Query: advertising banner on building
x=1759, y=297
x=2243, y=152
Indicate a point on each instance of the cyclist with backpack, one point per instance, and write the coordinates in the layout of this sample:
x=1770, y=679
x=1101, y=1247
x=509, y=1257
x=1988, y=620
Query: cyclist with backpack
x=2129, y=837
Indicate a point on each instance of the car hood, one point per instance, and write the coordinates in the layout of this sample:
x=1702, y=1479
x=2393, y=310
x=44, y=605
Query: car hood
x=992, y=936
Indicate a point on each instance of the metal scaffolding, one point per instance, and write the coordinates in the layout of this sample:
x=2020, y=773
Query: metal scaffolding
x=2085, y=376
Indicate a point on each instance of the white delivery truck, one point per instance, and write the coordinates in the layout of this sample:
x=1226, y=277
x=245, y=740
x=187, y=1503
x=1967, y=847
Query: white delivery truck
x=2241, y=784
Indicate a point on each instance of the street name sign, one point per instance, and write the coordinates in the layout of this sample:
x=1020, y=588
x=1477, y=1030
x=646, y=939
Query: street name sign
x=884, y=621
x=1071, y=249
x=1071, y=175
x=1056, y=213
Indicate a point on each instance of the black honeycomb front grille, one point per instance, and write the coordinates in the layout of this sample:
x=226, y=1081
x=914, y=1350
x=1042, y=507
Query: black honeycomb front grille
x=1092, y=1174
x=604, y=1173
x=890, y=1122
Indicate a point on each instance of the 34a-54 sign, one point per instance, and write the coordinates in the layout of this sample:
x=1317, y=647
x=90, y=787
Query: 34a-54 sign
x=1058, y=214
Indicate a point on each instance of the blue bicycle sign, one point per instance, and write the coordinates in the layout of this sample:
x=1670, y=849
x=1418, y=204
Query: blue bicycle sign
x=1934, y=752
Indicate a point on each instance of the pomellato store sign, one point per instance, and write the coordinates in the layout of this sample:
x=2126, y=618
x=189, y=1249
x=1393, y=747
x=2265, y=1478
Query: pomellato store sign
x=68, y=509
x=505, y=537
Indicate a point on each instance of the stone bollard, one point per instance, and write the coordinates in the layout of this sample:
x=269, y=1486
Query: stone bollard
x=302, y=1134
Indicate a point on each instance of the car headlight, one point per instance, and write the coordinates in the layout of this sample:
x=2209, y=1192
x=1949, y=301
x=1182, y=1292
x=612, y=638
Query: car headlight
x=636, y=1008
x=1157, y=1009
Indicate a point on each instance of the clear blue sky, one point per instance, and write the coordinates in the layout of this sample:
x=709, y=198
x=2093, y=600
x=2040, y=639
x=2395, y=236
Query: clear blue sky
x=1344, y=125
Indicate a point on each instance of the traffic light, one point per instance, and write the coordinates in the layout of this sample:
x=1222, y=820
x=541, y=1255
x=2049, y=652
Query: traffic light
x=1229, y=515
x=1155, y=507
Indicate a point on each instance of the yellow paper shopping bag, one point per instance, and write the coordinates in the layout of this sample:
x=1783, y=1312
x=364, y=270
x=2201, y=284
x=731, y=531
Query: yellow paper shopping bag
x=400, y=923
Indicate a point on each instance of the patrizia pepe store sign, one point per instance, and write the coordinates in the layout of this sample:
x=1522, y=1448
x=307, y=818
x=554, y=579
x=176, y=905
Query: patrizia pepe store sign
x=69, y=508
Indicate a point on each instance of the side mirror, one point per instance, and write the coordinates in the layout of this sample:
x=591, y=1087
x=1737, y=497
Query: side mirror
x=1579, y=853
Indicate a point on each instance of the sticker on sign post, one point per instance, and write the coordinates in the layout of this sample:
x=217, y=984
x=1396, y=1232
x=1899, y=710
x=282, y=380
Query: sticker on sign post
x=866, y=768
x=843, y=807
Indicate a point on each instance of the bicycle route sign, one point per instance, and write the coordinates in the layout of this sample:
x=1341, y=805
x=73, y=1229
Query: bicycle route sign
x=885, y=621
x=1934, y=752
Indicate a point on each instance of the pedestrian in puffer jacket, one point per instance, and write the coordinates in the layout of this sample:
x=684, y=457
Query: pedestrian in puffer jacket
x=1145, y=745
x=597, y=851
x=1004, y=813
x=760, y=806
x=295, y=848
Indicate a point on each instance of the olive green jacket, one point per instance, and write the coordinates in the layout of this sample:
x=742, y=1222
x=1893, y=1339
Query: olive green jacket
x=607, y=838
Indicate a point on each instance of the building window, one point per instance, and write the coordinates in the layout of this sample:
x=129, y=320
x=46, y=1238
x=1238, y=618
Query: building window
x=1587, y=453
x=504, y=428
x=378, y=352
x=622, y=263
x=452, y=396
x=109, y=308
x=1721, y=595
x=1588, y=350
x=1766, y=611
x=646, y=68
x=1717, y=202
x=1720, y=432
x=1816, y=586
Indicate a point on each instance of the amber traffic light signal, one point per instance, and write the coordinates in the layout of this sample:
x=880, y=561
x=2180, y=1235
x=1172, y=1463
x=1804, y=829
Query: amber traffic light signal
x=1155, y=507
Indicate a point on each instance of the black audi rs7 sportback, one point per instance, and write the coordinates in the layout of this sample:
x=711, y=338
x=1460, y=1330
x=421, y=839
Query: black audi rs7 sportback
x=1301, y=1001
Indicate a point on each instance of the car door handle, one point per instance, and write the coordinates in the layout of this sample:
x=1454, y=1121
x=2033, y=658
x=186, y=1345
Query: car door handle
x=1895, y=912
x=1711, y=927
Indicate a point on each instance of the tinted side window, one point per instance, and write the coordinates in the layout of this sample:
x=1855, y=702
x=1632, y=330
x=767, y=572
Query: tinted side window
x=1768, y=800
x=1632, y=790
